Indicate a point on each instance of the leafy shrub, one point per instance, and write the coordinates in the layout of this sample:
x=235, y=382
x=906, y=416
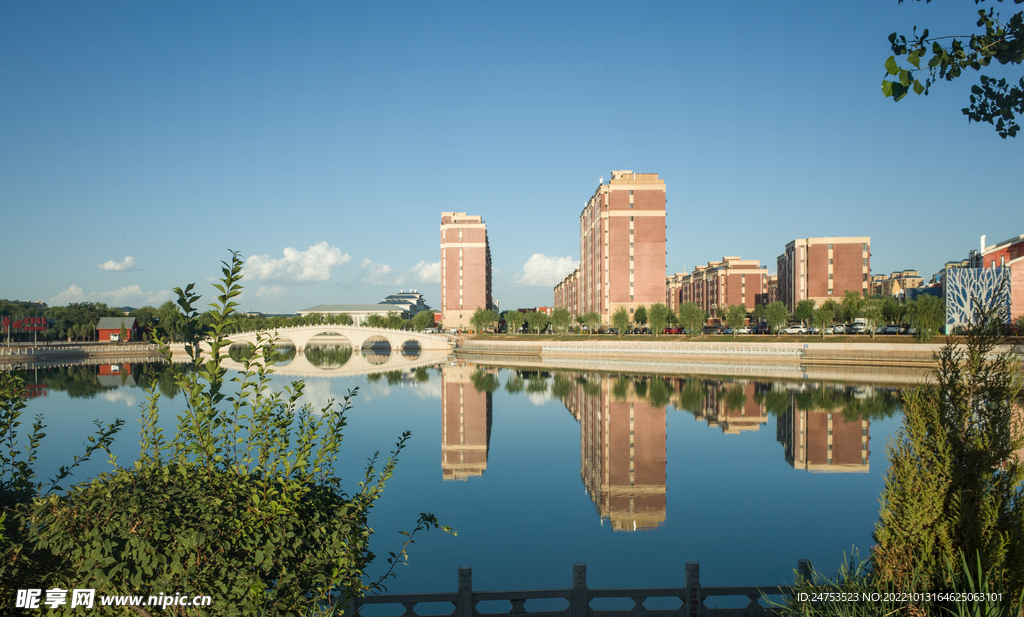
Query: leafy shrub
x=243, y=503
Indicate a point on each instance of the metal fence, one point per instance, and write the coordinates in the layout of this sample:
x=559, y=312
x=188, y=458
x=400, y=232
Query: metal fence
x=579, y=598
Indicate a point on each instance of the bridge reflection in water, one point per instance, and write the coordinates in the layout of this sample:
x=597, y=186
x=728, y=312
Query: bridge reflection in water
x=329, y=356
x=623, y=433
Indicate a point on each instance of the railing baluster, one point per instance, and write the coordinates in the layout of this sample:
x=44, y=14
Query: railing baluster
x=518, y=607
x=409, y=609
x=465, y=607
x=580, y=604
x=694, y=601
x=638, y=603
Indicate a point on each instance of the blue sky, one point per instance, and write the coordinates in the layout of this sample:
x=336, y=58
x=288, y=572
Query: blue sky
x=140, y=141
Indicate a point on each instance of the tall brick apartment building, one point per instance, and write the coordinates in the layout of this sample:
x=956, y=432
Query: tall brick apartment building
x=622, y=248
x=822, y=268
x=722, y=283
x=465, y=268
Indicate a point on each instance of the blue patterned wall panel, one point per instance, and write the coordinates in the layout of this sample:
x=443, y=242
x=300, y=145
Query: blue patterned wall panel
x=961, y=284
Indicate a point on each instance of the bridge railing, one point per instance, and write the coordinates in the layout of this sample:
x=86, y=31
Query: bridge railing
x=579, y=598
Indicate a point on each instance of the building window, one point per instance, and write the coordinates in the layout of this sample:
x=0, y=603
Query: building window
x=631, y=258
x=830, y=277
x=630, y=245
x=830, y=261
x=631, y=233
x=864, y=246
x=631, y=192
x=830, y=292
x=865, y=262
x=631, y=310
x=630, y=219
x=830, y=247
x=631, y=299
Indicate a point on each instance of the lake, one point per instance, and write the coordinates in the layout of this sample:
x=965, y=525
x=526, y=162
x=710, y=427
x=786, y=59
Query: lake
x=632, y=474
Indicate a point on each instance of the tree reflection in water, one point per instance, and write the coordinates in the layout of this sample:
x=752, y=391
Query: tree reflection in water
x=327, y=356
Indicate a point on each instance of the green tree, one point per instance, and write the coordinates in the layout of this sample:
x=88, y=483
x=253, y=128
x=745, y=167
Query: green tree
x=954, y=484
x=640, y=315
x=873, y=314
x=423, y=320
x=735, y=316
x=514, y=319
x=658, y=316
x=123, y=335
x=926, y=314
x=477, y=319
x=593, y=320
x=760, y=313
x=804, y=311
x=777, y=316
x=394, y=321
x=893, y=310
x=561, y=319
x=995, y=101
x=620, y=320
x=375, y=320
x=824, y=315
x=853, y=304
x=693, y=317
x=538, y=321
x=491, y=318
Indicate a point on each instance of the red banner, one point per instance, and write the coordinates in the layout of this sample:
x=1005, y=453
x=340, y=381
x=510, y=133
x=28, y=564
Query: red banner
x=23, y=324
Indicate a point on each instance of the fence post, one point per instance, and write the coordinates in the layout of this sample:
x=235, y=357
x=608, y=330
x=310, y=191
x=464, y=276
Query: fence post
x=580, y=601
x=803, y=571
x=465, y=606
x=694, y=601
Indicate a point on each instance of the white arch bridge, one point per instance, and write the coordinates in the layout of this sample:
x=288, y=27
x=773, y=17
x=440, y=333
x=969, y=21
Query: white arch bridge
x=357, y=336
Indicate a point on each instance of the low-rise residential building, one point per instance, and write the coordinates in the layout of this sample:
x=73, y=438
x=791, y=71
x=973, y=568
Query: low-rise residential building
x=895, y=284
x=722, y=283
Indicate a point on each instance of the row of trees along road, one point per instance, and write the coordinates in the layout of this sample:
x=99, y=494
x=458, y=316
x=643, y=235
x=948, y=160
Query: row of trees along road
x=925, y=314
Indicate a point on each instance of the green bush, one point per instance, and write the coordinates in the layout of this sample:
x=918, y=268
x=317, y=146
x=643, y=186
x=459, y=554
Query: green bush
x=243, y=503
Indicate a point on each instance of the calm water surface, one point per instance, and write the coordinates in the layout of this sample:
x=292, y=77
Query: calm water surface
x=633, y=475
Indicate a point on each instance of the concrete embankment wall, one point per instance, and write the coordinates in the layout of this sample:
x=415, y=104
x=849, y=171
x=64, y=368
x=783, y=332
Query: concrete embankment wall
x=875, y=362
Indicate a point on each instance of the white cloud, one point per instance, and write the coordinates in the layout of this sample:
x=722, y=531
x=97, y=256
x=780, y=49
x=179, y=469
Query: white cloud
x=119, y=266
x=427, y=273
x=379, y=274
x=120, y=396
x=270, y=292
x=543, y=271
x=313, y=264
x=130, y=295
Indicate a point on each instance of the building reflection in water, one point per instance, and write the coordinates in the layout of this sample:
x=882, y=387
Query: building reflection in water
x=466, y=394
x=823, y=441
x=623, y=445
x=622, y=449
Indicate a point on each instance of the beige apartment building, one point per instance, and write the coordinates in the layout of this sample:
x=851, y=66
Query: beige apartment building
x=820, y=269
x=622, y=248
x=895, y=284
x=465, y=268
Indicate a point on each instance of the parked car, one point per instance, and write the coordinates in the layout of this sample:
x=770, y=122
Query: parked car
x=812, y=330
x=893, y=329
x=762, y=329
x=858, y=328
x=712, y=330
x=728, y=331
x=672, y=330
x=743, y=330
x=794, y=329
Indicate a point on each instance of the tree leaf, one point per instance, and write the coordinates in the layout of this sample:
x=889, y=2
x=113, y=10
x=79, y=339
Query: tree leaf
x=891, y=66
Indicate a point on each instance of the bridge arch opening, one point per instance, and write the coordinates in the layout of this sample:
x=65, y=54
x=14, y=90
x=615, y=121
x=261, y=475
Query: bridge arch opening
x=411, y=349
x=376, y=349
x=282, y=353
x=327, y=356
